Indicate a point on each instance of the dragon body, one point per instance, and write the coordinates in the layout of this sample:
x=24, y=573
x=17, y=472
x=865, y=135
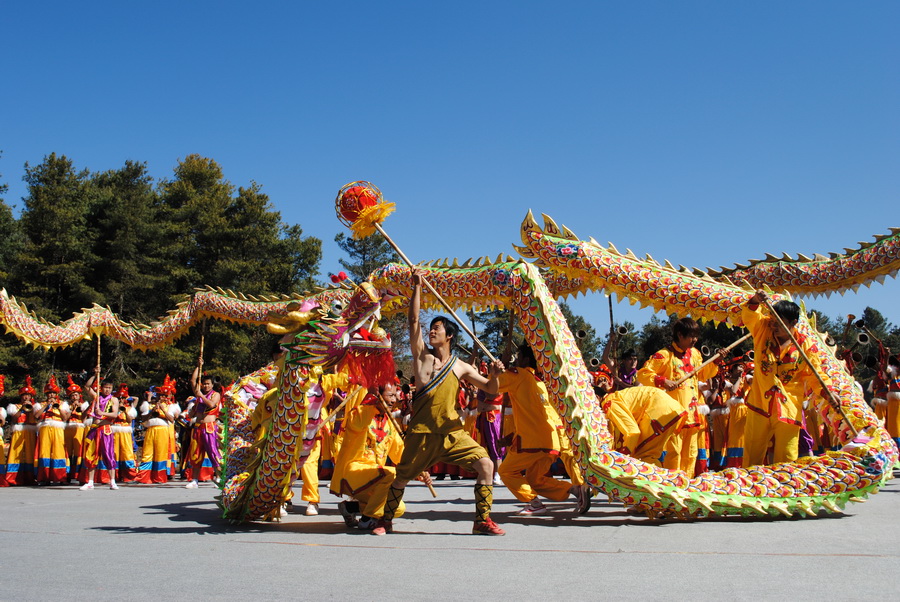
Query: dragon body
x=259, y=466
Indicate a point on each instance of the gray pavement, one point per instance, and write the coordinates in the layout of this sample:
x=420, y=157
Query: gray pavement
x=146, y=542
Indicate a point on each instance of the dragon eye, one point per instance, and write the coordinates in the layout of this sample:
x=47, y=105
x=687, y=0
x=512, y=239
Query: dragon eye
x=337, y=307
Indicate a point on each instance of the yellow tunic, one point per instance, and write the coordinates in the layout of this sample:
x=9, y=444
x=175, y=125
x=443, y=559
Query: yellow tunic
x=360, y=469
x=536, y=442
x=673, y=363
x=781, y=380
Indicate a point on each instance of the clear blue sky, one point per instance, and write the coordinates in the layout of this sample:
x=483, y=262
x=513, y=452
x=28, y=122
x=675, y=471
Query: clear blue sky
x=706, y=133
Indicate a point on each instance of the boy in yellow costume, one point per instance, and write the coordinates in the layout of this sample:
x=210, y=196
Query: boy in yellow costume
x=360, y=469
x=536, y=443
x=663, y=370
x=780, y=382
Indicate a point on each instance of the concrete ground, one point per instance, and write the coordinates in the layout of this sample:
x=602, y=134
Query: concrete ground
x=146, y=542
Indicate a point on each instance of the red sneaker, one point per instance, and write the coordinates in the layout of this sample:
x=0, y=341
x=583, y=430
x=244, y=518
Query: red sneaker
x=487, y=527
x=383, y=527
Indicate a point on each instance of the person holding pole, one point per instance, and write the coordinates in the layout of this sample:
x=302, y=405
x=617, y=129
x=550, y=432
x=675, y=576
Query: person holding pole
x=100, y=441
x=781, y=378
x=205, y=439
x=666, y=370
x=435, y=432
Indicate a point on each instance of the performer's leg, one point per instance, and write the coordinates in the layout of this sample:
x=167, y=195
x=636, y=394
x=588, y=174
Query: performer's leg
x=756, y=439
x=536, y=475
x=309, y=472
x=787, y=440
x=689, y=450
x=672, y=451
x=511, y=474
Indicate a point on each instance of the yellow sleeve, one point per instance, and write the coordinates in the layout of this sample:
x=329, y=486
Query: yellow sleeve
x=396, y=450
x=507, y=382
x=657, y=365
x=753, y=319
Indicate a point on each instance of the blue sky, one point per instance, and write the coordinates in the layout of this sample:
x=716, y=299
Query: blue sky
x=703, y=133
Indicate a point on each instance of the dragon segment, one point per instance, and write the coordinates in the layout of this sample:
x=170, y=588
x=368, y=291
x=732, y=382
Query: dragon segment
x=333, y=331
x=206, y=303
x=805, y=486
x=267, y=447
x=819, y=275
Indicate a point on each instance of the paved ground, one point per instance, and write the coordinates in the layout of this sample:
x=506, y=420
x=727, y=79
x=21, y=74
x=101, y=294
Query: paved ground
x=143, y=541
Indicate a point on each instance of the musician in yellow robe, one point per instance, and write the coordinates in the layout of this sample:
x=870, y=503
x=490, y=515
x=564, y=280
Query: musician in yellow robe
x=781, y=380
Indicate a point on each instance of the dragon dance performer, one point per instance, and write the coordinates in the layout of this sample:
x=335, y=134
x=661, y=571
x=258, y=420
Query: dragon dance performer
x=52, y=460
x=360, y=469
x=157, y=416
x=75, y=428
x=645, y=418
x=123, y=433
x=435, y=432
x=662, y=370
x=205, y=437
x=717, y=395
x=536, y=443
x=100, y=445
x=780, y=382
x=20, y=467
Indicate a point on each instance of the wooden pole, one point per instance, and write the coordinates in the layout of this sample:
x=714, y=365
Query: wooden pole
x=202, y=339
x=333, y=416
x=437, y=295
x=711, y=360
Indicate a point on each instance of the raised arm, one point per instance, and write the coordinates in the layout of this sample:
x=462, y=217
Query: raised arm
x=489, y=385
x=416, y=342
x=195, y=377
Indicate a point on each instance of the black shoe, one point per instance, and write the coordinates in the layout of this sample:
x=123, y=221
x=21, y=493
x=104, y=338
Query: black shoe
x=349, y=519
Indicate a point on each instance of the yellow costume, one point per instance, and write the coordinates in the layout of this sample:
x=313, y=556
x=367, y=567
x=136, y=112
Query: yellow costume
x=536, y=442
x=52, y=460
x=360, y=470
x=646, y=418
x=780, y=381
x=673, y=363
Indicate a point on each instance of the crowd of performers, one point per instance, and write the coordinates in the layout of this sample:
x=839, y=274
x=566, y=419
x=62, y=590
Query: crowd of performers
x=86, y=434
x=493, y=423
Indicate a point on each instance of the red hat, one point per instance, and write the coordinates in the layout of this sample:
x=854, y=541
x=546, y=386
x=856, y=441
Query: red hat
x=72, y=388
x=51, y=386
x=2, y=384
x=123, y=391
x=27, y=389
x=603, y=377
x=168, y=386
